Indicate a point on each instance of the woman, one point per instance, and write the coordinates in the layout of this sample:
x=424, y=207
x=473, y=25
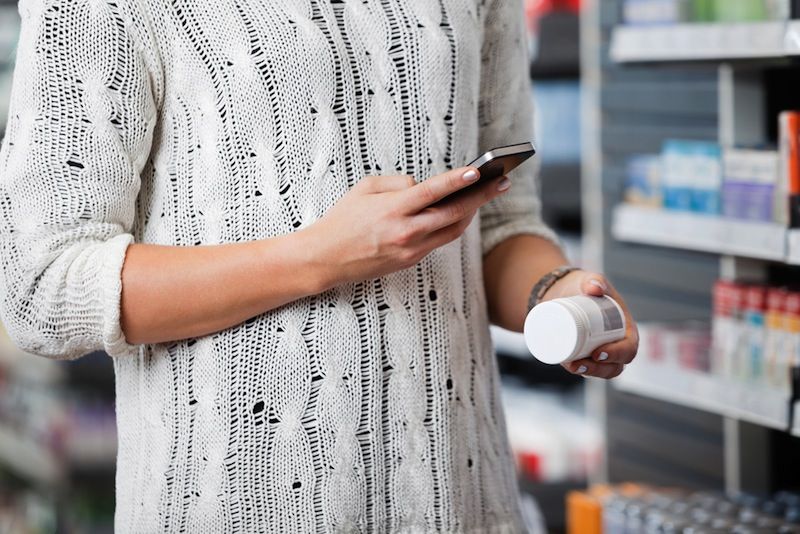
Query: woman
x=233, y=200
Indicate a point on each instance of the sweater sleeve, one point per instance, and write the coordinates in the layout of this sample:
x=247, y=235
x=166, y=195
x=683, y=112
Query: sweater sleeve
x=505, y=115
x=80, y=125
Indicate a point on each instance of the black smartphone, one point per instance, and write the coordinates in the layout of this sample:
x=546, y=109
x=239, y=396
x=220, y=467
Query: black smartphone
x=498, y=162
x=502, y=160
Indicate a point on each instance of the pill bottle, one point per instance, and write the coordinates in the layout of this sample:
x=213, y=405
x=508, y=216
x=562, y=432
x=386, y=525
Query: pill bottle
x=567, y=329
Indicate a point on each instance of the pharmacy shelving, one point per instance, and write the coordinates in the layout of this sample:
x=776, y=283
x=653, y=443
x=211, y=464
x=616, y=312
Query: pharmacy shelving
x=701, y=391
x=28, y=459
x=706, y=233
x=642, y=86
x=705, y=41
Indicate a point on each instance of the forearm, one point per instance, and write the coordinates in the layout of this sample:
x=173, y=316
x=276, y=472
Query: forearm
x=172, y=293
x=510, y=270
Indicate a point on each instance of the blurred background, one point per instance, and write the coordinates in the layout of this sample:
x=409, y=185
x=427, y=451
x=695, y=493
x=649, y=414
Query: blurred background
x=669, y=143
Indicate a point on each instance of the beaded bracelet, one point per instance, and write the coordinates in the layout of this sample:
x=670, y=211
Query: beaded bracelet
x=546, y=282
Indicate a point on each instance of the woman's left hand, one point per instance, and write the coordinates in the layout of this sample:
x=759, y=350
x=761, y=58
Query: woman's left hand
x=607, y=361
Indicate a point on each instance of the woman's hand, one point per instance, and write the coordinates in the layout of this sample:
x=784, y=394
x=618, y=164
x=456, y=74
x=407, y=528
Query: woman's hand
x=389, y=223
x=607, y=361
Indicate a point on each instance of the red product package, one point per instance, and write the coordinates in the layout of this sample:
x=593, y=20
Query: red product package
x=776, y=299
x=792, y=312
x=755, y=299
x=727, y=328
x=728, y=299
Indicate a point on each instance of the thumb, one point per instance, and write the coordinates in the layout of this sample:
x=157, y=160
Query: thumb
x=594, y=285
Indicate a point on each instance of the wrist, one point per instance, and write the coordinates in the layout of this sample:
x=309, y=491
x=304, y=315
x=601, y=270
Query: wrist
x=319, y=272
x=550, y=285
x=559, y=289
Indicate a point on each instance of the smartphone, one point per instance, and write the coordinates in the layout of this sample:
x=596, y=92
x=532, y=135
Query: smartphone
x=502, y=160
x=498, y=162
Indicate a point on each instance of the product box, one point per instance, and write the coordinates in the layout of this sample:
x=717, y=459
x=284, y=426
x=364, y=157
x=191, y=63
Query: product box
x=643, y=185
x=749, y=184
x=692, y=176
x=755, y=307
x=727, y=330
x=704, y=10
x=750, y=10
x=774, y=337
x=643, y=12
x=787, y=204
x=791, y=344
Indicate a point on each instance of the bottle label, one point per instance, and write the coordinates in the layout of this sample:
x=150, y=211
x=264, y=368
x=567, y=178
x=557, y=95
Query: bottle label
x=612, y=319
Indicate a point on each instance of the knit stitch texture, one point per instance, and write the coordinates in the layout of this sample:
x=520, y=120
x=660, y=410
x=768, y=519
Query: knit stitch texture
x=373, y=407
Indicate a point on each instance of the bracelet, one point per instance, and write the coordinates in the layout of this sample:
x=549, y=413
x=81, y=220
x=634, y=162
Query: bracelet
x=546, y=282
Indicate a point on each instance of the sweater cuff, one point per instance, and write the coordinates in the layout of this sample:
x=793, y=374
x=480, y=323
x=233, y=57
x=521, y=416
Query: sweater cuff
x=111, y=290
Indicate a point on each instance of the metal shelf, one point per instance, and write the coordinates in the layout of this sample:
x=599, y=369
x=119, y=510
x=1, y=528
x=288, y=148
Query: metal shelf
x=704, y=233
x=29, y=459
x=701, y=391
x=705, y=41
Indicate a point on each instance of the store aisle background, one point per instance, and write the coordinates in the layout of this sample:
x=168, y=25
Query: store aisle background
x=681, y=109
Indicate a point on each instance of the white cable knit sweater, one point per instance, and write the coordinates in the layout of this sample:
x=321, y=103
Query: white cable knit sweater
x=373, y=407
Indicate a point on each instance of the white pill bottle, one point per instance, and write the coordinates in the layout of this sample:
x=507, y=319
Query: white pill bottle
x=567, y=329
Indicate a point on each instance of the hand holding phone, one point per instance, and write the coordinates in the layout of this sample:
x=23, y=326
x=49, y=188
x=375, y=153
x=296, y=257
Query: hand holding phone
x=498, y=162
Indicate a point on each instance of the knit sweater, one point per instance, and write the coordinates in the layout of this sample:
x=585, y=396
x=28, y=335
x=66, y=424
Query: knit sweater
x=372, y=407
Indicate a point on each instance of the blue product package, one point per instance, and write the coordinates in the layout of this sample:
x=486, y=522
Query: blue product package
x=707, y=178
x=643, y=179
x=676, y=175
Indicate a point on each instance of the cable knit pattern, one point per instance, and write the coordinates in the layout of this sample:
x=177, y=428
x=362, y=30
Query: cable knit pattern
x=372, y=407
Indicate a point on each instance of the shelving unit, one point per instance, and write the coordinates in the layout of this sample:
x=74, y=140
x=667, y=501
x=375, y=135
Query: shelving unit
x=700, y=391
x=703, y=233
x=28, y=459
x=643, y=85
x=702, y=42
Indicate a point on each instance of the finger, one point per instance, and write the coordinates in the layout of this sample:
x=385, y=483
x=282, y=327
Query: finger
x=622, y=352
x=594, y=284
x=448, y=233
x=453, y=210
x=437, y=187
x=587, y=367
x=387, y=184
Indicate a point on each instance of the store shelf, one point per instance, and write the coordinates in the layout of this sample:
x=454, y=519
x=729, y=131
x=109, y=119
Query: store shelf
x=701, y=391
x=27, y=458
x=705, y=41
x=704, y=233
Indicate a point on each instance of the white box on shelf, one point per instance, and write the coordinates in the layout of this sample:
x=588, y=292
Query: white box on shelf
x=793, y=246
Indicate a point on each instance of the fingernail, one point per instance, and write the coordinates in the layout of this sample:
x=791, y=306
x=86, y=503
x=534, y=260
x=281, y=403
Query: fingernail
x=603, y=356
x=470, y=176
x=582, y=369
x=504, y=184
x=599, y=284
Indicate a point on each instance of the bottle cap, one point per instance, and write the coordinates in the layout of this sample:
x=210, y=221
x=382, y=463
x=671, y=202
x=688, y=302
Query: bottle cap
x=553, y=333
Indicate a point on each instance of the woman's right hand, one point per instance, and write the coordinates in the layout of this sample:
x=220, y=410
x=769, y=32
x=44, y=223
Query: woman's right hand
x=389, y=223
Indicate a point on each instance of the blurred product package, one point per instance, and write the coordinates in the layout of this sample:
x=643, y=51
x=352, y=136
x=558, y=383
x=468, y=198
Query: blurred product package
x=643, y=185
x=788, y=188
x=759, y=184
x=756, y=334
x=753, y=342
x=691, y=176
x=561, y=445
x=675, y=11
x=635, y=508
x=750, y=179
